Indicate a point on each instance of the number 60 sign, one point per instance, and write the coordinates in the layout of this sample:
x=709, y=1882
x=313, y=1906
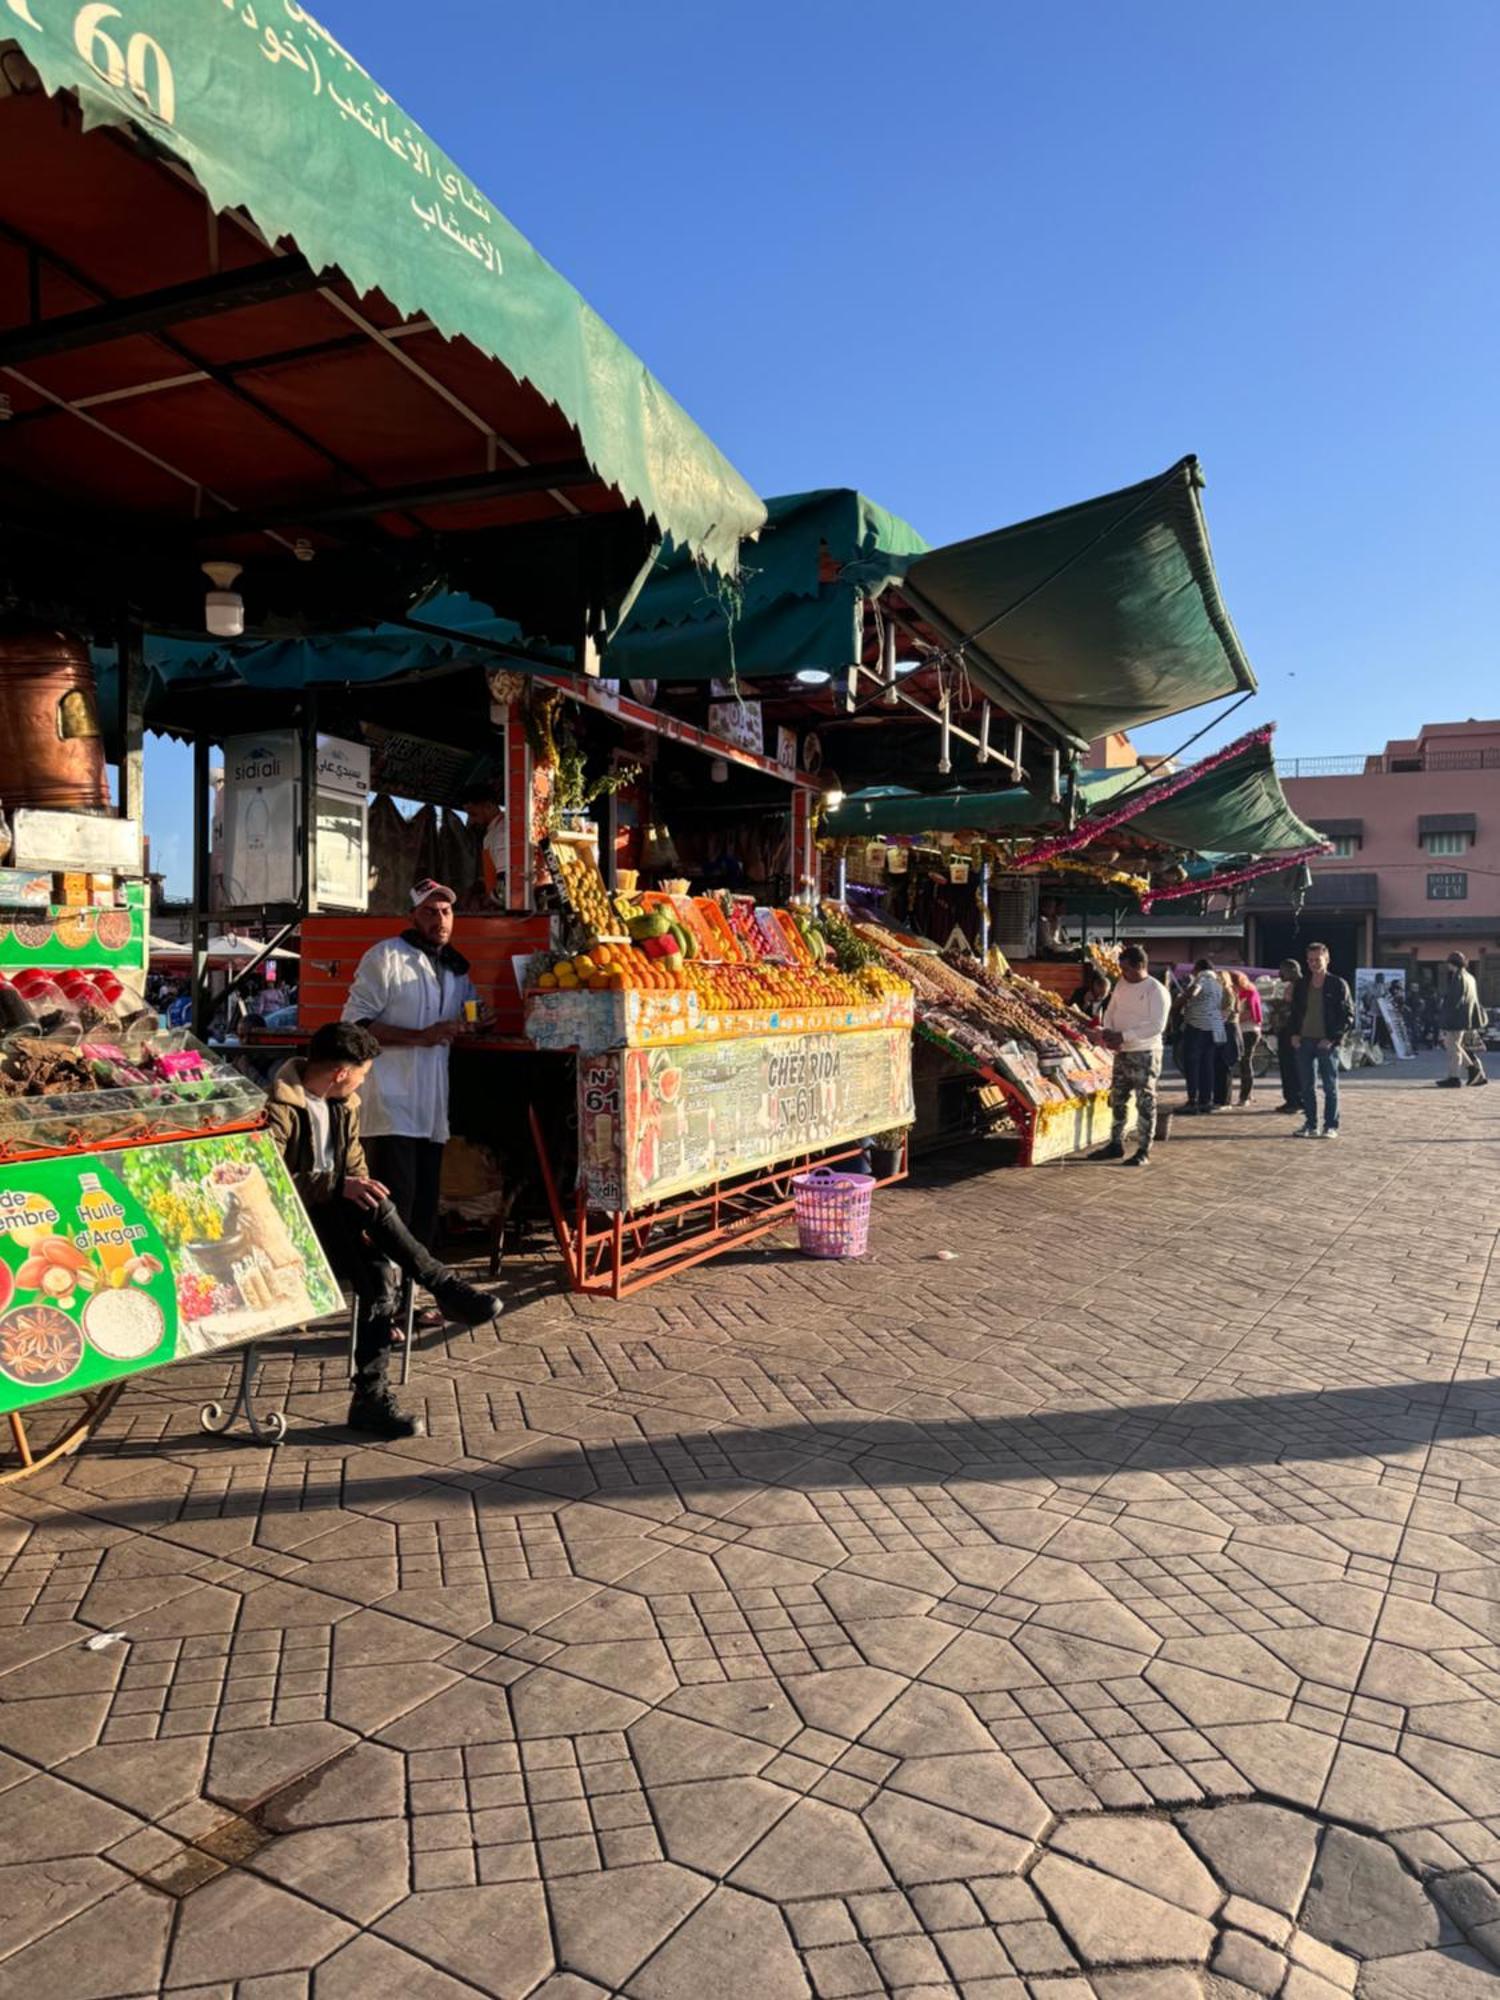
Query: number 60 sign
x=134, y=62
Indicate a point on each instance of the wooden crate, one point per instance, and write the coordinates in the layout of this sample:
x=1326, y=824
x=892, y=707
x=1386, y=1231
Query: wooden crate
x=333, y=946
x=1055, y=975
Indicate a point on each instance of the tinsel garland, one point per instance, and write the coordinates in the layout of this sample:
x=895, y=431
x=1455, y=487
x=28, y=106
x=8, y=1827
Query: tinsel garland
x=1231, y=878
x=1138, y=802
x=1111, y=878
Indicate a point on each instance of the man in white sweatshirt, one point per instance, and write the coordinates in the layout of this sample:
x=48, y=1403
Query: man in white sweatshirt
x=1133, y=1024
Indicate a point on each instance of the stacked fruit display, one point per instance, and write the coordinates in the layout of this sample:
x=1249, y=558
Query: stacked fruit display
x=613, y=968
x=577, y=873
x=748, y=988
x=996, y=1004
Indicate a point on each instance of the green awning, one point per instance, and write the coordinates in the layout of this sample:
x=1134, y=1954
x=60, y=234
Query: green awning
x=1099, y=617
x=799, y=601
x=1237, y=808
x=876, y=812
x=275, y=118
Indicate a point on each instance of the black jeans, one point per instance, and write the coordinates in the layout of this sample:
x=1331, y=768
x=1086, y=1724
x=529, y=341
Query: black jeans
x=1286, y=1062
x=1228, y=1056
x=1198, y=1064
x=413, y=1170
x=371, y=1250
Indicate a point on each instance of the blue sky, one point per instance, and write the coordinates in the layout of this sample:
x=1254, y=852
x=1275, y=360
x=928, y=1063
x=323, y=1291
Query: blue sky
x=982, y=260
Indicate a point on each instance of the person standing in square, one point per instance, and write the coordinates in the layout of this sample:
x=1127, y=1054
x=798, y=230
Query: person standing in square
x=1321, y=1015
x=410, y=991
x=1134, y=1021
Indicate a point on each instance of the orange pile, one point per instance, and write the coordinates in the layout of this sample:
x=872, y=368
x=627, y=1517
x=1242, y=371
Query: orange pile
x=611, y=968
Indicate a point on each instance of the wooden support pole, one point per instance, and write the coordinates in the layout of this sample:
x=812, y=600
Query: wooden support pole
x=202, y=863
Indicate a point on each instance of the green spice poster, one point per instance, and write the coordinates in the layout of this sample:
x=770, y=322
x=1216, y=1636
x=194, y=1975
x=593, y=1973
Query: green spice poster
x=114, y=1263
x=55, y=936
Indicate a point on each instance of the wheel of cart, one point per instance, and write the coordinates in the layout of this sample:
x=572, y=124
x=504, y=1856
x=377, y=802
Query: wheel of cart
x=76, y=1431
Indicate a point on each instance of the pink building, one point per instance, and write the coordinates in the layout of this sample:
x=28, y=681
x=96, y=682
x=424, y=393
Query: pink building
x=1415, y=870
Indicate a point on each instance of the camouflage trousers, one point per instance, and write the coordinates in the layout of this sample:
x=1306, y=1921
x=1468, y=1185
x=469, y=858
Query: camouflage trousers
x=1136, y=1074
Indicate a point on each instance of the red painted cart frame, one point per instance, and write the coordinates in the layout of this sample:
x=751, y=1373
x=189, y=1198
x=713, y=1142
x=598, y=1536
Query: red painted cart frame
x=626, y=1252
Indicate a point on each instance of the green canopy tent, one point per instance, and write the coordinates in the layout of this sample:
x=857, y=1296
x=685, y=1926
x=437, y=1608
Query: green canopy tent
x=799, y=603
x=1238, y=808
x=1094, y=619
x=878, y=812
x=1099, y=617
x=259, y=317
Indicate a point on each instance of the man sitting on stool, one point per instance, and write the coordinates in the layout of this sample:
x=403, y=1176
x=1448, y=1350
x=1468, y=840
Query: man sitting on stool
x=313, y=1114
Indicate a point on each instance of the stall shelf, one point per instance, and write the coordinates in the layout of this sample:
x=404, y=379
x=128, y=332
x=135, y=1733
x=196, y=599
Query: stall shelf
x=1011, y=1035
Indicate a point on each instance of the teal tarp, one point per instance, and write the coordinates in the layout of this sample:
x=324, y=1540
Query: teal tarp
x=1010, y=812
x=379, y=653
x=1099, y=617
x=799, y=602
x=275, y=117
x=1236, y=809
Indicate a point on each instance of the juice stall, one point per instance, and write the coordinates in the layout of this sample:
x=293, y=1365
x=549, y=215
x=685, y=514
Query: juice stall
x=241, y=401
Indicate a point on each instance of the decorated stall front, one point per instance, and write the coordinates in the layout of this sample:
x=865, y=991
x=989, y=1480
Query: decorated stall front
x=721, y=1047
x=144, y=1218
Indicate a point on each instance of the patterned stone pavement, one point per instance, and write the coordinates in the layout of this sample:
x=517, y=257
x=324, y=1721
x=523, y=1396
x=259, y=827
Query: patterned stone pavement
x=1093, y=1593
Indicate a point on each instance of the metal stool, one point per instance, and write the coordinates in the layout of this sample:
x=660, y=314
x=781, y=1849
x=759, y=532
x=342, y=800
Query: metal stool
x=407, y=1315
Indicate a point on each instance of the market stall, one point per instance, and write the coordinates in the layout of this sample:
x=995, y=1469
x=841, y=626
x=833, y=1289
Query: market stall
x=1051, y=1071
x=196, y=340
x=721, y=1048
x=1001, y=860
x=143, y=1217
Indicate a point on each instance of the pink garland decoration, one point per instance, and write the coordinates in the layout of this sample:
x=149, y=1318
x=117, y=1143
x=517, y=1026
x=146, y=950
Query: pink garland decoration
x=1230, y=878
x=1139, y=802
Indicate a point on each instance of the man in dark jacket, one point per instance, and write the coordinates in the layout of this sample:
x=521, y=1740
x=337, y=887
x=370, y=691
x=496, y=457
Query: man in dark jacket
x=1462, y=1020
x=313, y=1114
x=1320, y=1015
x=1277, y=1018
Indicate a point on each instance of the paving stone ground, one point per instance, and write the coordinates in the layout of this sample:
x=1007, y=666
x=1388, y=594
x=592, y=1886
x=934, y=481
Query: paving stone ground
x=1092, y=1593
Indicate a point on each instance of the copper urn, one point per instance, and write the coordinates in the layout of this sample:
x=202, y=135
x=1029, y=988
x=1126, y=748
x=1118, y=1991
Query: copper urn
x=51, y=749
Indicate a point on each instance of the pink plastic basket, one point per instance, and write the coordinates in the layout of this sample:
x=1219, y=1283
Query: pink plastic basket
x=833, y=1213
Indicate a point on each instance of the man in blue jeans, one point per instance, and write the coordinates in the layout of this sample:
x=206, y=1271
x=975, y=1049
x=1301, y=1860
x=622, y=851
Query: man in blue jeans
x=1320, y=1015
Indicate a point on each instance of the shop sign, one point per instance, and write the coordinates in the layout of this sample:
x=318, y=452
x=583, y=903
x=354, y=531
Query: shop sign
x=741, y=723
x=64, y=840
x=786, y=748
x=262, y=812
x=343, y=767
x=114, y=1264
x=341, y=859
x=659, y=1122
x=1449, y=886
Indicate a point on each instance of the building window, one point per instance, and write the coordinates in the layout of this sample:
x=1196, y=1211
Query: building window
x=1447, y=888
x=1345, y=844
x=1446, y=843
